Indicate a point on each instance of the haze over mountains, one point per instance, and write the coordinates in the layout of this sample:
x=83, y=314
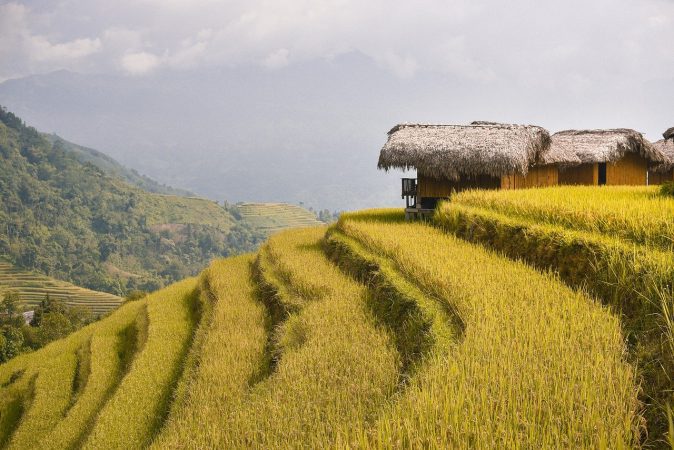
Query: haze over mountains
x=309, y=132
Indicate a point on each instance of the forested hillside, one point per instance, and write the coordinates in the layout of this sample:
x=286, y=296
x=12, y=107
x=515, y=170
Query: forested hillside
x=112, y=167
x=70, y=220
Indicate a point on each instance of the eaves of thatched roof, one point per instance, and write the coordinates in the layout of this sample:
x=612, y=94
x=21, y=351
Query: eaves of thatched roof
x=595, y=146
x=666, y=147
x=450, y=151
x=669, y=133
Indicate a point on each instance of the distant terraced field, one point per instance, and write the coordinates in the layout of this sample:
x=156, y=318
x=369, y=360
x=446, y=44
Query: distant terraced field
x=272, y=217
x=33, y=287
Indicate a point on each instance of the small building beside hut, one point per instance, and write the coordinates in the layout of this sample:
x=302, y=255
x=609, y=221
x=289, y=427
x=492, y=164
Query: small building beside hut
x=482, y=155
x=607, y=157
x=664, y=172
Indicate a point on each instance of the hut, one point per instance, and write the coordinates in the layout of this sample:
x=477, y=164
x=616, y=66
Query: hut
x=664, y=172
x=611, y=157
x=486, y=155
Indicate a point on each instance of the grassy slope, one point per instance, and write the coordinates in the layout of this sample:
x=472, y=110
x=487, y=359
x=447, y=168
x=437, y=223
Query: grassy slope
x=632, y=213
x=293, y=352
x=612, y=241
x=33, y=287
x=272, y=217
x=332, y=368
x=162, y=209
x=232, y=341
x=538, y=363
x=44, y=383
x=139, y=405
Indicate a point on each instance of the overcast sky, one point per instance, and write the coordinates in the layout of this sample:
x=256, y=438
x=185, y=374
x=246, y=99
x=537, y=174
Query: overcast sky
x=561, y=64
x=574, y=44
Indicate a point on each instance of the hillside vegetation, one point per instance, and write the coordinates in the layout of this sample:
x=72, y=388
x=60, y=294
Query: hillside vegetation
x=69, y=220
x=113, y=168
x=268, y=218
x=615, y=242
x=374, y=333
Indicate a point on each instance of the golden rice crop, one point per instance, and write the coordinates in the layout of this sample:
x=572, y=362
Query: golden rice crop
x=231, y=356
x=49, y=401
x=538, y=366
x=44, y=391
x=635, y=280
x=634, y=213
x=132, y=415
x=112, y=346
x=335, y=368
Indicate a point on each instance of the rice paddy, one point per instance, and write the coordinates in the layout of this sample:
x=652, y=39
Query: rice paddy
x=270, y=218
x=373, y=333
x=634, y=213
x=613, y=241
x=33, y=287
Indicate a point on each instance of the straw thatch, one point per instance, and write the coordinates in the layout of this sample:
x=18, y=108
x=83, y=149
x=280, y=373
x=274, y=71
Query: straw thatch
x=666, y=147
x=669, y=134
x=596, y=146
x=452, y=151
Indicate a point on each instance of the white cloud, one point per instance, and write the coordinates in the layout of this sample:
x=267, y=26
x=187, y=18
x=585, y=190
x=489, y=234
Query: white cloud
x=139, y=63
x=23, y=51
x=42, y=50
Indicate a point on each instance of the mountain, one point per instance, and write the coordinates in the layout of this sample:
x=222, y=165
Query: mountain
x=113, y=168
x=310, y=132
x=72, y=221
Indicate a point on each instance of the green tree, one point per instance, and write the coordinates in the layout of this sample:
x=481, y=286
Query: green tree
x=10, y=303
x=54, y=325
x=11, y=342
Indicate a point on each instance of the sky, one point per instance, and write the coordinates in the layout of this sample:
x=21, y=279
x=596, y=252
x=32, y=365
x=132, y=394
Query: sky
x=292, y=97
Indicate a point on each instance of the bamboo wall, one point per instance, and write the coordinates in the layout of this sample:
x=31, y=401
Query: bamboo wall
x=631, y=170
x=436, y=188
x=585, y=174
x=659, y=178
x=536, y=177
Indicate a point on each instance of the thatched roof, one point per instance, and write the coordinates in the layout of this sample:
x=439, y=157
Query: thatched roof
x=449, y=151
x=593, y=146
x=669, y=134
x=666, y=147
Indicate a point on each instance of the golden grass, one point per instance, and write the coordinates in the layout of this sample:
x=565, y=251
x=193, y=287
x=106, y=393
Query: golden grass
x=112, y=347
x=138, y=406
x=42, y=402
x=335, y=369
x=231, y=356
x=50, y=398
x=601, y=239
x=538, y=366
x=634, y=213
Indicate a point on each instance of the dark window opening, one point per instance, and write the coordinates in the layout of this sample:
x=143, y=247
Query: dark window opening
x=602, y=174
x=430, y=202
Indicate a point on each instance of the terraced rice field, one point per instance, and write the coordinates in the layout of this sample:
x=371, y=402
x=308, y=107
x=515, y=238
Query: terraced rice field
x=270, y=218
x=32, y=288
x=374, y=333
x=615, y=242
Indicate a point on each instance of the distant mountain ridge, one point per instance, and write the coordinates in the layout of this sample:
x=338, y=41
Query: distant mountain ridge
x=113, y=168
x=78, y=222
